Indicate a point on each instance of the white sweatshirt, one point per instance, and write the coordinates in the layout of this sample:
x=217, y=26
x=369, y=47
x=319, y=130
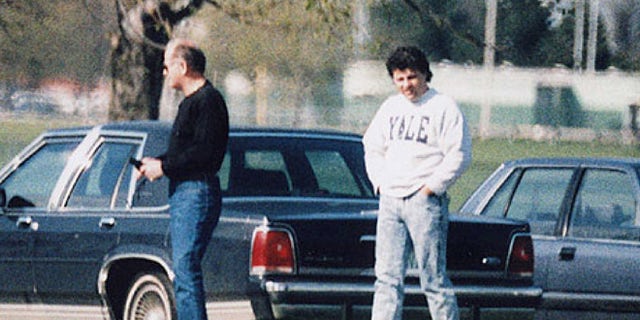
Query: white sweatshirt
x=409, y=145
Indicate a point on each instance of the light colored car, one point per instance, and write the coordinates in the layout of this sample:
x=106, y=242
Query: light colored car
x=585, y=221
x=32, y=102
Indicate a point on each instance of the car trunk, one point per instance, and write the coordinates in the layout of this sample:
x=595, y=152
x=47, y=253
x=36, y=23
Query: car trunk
x=339, y=241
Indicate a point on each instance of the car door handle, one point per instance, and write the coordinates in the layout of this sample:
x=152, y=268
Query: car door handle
x=107, y=223
x=567, y=253
x=24, y=222
x=27, y=222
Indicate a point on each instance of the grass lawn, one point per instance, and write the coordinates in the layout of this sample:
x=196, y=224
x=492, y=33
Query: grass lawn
x=488, y=154
x=15, y=134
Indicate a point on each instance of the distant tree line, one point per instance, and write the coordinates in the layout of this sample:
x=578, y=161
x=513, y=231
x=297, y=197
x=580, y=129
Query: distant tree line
x=454, y=29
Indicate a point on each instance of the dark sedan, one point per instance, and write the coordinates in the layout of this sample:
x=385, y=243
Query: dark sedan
x=295, y=238
x=585, y=221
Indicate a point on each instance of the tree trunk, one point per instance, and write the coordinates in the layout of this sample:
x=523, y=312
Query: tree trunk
x=578, y=36
x=137, y=56
x=136, y=66
x=262, y=95
x=592, y=40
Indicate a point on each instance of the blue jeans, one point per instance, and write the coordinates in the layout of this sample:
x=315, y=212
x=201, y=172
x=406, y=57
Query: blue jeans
x=195, y=210
x=420, y=222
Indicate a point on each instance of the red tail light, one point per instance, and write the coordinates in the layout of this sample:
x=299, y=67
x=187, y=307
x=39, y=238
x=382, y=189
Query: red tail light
x=272, y=251
x=521, y=256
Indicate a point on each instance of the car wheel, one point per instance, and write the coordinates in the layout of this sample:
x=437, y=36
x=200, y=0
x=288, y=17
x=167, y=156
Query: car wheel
x=262, y=309
x=150, y=297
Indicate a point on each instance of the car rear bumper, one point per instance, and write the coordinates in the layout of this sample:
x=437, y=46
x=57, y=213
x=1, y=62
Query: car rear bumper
x=299, y=300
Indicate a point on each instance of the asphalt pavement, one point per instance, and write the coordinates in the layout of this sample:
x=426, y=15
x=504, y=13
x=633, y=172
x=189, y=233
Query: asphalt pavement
x=231, y=310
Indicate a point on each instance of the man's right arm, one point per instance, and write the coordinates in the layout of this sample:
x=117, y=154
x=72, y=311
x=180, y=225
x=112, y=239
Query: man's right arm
x=374, y=152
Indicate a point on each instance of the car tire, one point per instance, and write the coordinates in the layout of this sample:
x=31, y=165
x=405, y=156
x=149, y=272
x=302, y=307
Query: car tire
x=262, y=309
x=150, y=297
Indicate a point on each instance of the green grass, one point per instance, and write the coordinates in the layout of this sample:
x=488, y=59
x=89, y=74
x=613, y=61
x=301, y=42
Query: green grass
x=487, y=154
x=15, y=134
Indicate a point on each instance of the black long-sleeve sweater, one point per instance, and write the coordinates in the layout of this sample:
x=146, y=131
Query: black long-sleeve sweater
x=198, y=138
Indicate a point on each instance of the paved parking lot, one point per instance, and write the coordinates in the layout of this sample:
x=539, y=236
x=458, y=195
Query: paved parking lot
x=233, y=310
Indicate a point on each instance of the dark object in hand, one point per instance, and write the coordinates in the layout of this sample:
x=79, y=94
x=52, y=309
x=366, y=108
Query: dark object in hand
x=135, y=162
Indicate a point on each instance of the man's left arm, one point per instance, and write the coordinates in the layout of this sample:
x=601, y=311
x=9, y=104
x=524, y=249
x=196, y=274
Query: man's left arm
x=456, y=149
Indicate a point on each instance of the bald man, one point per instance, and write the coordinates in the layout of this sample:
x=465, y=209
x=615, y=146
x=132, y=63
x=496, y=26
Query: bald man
x=196, y=149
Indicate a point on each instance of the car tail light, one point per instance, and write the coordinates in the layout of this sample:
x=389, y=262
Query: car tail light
x=521, y=256
x=272, y=251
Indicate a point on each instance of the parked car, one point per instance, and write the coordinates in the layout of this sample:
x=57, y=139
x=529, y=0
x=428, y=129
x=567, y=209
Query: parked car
x=585, y=223
x=296, y=236
x=33, y=102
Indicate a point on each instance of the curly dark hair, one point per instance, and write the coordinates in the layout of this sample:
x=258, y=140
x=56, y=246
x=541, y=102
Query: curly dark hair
x=409, y=58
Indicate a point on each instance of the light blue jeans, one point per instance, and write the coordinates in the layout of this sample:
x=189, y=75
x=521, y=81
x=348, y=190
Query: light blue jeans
x=195, y=210
x=420, y=222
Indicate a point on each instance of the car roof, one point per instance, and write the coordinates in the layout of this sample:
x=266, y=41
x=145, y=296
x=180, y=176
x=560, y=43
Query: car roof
x=574, y=161
x=161, y=127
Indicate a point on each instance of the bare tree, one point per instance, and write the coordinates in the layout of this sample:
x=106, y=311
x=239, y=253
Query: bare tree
x=144, y=28
x=427, y=12
x=37, y=44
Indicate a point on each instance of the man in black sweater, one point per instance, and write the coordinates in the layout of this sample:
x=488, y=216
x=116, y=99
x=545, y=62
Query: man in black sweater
x=196, y=149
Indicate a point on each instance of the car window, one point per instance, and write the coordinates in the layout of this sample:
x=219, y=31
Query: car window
x=256, y=173
x=264, y=160
x=332, y=173
x=605, y=206
x=105, y=182
x=291, y=166
x=223, y=173
x=497, y=205
x=31, y=184
x=535, y=195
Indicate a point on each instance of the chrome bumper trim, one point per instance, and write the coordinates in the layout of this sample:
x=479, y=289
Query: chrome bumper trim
x=490, y=296
x=590, y=301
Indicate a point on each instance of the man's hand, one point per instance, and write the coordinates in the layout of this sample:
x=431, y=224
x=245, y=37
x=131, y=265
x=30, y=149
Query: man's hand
x=152, y=168
x=137, y=174
x=425, y=190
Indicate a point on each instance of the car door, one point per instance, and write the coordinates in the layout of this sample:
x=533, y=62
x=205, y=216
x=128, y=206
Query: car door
x=73, y=240
x=28, y=185
x=596, y=266
x=583, y=222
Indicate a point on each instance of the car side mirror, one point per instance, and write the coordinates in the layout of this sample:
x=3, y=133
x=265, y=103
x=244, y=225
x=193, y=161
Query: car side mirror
x=3, y=199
